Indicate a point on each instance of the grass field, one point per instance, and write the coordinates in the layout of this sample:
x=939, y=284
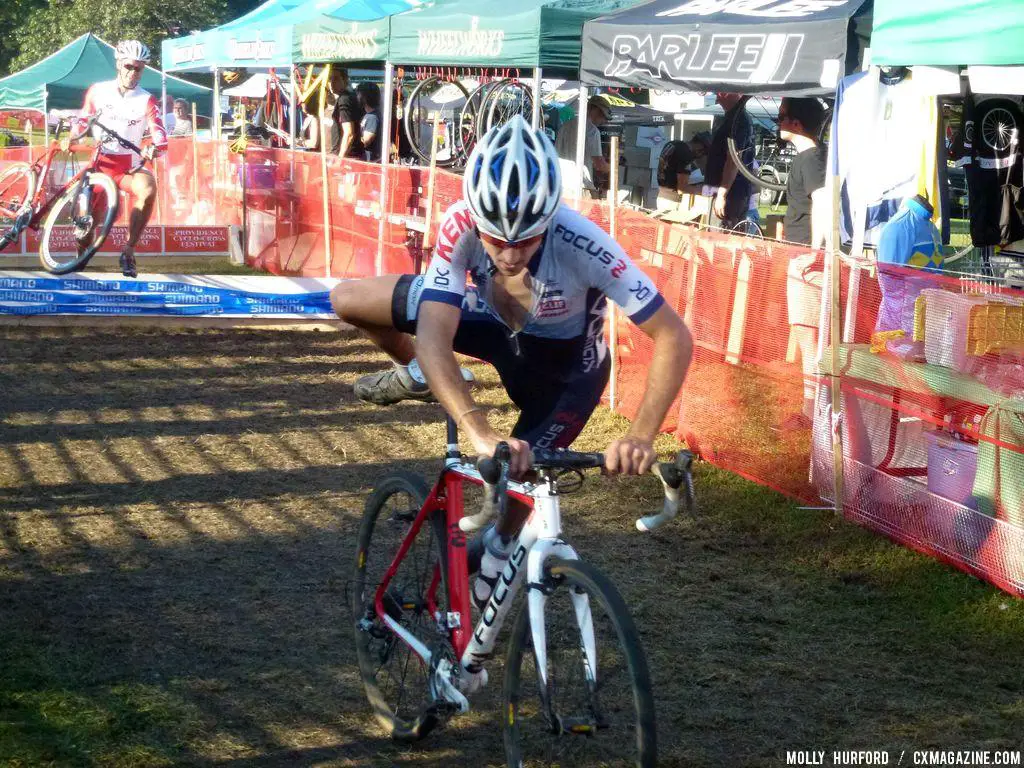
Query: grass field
x=178, y=513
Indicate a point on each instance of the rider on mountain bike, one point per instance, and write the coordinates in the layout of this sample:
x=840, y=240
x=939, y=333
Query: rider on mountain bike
x=129, y=111
x=541, y=273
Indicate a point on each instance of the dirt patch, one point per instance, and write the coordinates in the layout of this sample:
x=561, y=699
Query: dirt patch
x=178, y=513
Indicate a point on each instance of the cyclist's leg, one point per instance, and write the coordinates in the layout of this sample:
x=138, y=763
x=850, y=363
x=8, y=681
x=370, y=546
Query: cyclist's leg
x=142, y=186
x=386, y=309
x=552, y=419
x=375, y=305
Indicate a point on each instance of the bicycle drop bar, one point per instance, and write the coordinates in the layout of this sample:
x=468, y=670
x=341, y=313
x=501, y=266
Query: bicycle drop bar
x=676, y=479
x=119, y=139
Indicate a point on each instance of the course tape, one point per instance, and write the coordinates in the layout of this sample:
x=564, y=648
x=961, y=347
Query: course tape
x=83, y=296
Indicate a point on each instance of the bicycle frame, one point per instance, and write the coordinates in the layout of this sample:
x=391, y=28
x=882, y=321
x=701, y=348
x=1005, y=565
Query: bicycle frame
x=539, y=540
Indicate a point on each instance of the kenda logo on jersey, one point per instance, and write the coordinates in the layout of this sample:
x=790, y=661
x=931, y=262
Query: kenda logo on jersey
x=726, y=58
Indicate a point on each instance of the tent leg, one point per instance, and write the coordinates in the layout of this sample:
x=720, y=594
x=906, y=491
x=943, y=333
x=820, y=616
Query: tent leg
x=538, y=78
x=581, y=137
x=46, y=121
x=385, y=161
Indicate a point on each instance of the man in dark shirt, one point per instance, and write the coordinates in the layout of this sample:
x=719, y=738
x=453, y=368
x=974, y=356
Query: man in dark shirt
x=729, y=189
x=800, y=123
x=675, y=165
x=347, y=115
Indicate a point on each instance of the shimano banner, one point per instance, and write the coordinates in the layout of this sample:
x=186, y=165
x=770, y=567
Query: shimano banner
x=40, y=293
x=793, y=47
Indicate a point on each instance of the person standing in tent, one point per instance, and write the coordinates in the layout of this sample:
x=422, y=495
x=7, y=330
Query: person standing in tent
x=129, y=111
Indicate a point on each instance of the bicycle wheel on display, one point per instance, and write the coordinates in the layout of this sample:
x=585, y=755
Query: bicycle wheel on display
x=396, y=680
x=78, y=224
x=504, y=101
x=466, y=134
x=431, y=97
x=17, y=186
x=752, y=146
x=581, y=716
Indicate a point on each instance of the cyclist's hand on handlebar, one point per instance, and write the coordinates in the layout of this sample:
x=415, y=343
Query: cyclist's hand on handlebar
x=519, y=450
x=629, y=456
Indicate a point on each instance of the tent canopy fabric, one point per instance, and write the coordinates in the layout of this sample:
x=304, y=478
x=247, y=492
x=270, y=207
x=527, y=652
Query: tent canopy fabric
x=283, y=32
x=496, y=33
x=61, y=79
x=787, y=47
x=950, y=32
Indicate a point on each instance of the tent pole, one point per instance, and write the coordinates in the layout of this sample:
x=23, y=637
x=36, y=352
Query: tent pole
x=613, y=341
x=46, y=121
x=835, y=425
x=163, y=95
x=385, y=161
x=538, y=77
x=215, y=143
x=581, y=137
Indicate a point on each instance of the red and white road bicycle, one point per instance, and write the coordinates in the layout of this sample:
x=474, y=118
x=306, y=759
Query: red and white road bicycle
x=577, y=690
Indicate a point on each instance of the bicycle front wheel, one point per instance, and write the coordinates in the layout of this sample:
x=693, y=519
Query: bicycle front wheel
x=78, y=224
x=395, y=678
x=579, y=713
x=17, y=186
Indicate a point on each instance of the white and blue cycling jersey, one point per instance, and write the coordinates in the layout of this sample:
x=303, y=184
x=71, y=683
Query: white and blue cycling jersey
x=577, y=266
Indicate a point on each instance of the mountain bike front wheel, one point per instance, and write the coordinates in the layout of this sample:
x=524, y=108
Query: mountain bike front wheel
x=78, y=224
x=395, y=678
x=579, y=713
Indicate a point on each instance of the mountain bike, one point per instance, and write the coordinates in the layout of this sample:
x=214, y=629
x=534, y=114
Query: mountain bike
x=75, y=218
x=577, y=690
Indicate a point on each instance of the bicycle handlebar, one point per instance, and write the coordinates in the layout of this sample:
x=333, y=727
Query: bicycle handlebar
x=676, y=479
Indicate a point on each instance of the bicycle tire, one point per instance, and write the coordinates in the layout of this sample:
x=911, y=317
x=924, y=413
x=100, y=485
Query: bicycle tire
x=408, y=120
x=18, y=184
x=488, y=119
x=736, y=155
x=467, y=135
x=564, y=576
x=399, y=724
x=99, y=231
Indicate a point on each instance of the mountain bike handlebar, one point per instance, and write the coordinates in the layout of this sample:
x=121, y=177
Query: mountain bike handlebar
x=676, y=479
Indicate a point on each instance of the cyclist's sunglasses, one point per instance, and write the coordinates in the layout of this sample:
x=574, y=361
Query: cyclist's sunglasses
x=133, y=67
x=499, y=243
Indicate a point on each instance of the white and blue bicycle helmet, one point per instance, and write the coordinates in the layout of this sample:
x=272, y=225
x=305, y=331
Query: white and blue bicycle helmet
x=131, y=50
x=512, y=183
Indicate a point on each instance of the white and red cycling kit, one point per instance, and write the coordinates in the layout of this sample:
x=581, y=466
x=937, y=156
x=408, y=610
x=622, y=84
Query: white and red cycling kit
x=130, y=114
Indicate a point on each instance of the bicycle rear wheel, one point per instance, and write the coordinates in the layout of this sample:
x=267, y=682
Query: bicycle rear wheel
x=579, y=716
x=78, y=224
x=395, y=678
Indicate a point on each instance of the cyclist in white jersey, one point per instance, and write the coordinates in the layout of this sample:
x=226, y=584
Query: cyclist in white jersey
x=541, y=273
x=130, y=112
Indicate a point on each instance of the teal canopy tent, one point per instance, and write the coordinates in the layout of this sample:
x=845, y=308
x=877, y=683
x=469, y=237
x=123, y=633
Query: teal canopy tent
x=61, y=79
x=948, y=32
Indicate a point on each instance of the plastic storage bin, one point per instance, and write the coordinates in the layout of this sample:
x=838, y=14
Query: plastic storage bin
x=952, y=466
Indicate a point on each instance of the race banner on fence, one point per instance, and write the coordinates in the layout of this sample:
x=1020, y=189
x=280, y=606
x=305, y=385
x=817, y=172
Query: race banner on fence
x=155, y=240
x=39, y=293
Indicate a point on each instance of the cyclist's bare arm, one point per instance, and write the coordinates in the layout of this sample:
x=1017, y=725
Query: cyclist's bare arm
x=673, y=347
x=435, y=335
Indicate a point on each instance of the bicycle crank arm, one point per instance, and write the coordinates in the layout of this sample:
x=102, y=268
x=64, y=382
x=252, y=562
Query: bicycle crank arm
x=677, y=481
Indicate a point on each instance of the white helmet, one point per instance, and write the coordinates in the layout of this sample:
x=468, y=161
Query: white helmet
x=512, y=183
x=131, y=50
